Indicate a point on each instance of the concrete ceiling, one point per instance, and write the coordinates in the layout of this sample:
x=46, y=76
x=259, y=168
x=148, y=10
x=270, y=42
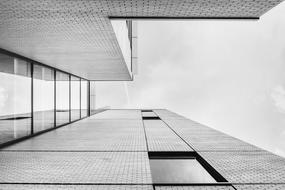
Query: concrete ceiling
x=77, y=36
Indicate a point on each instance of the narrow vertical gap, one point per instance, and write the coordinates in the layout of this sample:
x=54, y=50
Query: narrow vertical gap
x=54, y=94
x=32, y=98
x=144, y=132
x=88, y=99
x=80, y=98
x=69, y=98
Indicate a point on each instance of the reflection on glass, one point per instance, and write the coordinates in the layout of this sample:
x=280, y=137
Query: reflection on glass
x=15, y=98
x=84, y=108
x=75, y=98
x=43, y=97
x=179, y=171
x=92, y=98
x=62, y=98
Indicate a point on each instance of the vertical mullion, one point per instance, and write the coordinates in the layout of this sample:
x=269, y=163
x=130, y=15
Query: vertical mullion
x=54, y=94
x=80, y=98
x=32, y=98
x=69, y=98
x=88, y=99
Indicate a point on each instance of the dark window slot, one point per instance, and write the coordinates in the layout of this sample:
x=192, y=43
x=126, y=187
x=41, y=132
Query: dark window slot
x=182, y=168
x=146, y=111
x=171, y=155
x=150, y=118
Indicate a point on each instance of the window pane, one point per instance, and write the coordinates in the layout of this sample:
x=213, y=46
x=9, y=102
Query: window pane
x=62, y=98
x=43, y=98
x=84, y=85
x=92, y=97
x=15, y=98
x=179, y=171
x=75, y=98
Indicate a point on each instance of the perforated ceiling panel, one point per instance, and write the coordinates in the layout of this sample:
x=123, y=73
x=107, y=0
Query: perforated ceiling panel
x=76, y=35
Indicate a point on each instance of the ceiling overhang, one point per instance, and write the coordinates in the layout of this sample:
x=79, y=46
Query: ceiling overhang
x=77, y=36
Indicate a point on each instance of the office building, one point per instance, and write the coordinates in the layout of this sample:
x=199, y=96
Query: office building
x=52, y=135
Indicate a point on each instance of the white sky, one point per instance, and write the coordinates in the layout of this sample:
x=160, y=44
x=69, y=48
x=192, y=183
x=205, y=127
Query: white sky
x=229, y=75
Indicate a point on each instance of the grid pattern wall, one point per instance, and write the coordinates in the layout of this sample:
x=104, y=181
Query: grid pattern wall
x=77, y=36
x=248, y=167
x=168, y=115
x=76, y=187
x=203, y=138
x=238, y=162
x=99, y=152
x=161, y=138
x=109, y=151
x=75, y=167
x=119, y=114
x=92, y=135
x=260, y=187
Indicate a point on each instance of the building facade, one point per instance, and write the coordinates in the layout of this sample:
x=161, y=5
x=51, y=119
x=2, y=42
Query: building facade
x=138, y=149
x=52, y=52
x=52, y=135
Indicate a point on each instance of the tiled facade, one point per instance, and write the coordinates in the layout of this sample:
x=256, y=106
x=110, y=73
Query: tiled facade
x=109, y=150
x=112, y=149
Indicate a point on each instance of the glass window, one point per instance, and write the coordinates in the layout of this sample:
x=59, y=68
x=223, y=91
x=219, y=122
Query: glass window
x=15, y=98
x=84, y=99
x=62, y=98
x=43, y=97
x=92, y=98
x=179, y=171
x=75, y=98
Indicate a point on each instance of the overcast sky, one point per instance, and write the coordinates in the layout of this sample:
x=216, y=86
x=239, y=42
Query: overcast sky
x=229, y=75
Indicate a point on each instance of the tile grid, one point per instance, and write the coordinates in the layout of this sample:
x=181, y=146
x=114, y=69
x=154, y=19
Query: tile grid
x=75, y=169
x=187, y=143
x=161, y=138
x=130, y=169
x=104, y=135
x=203, y=138
x=245, y=169
x=189, y=187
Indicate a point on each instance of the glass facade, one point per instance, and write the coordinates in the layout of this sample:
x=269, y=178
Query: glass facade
x=62, y=98
x=35, y=98
x=43, y=96
x=15, y=98
x=75, y=98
